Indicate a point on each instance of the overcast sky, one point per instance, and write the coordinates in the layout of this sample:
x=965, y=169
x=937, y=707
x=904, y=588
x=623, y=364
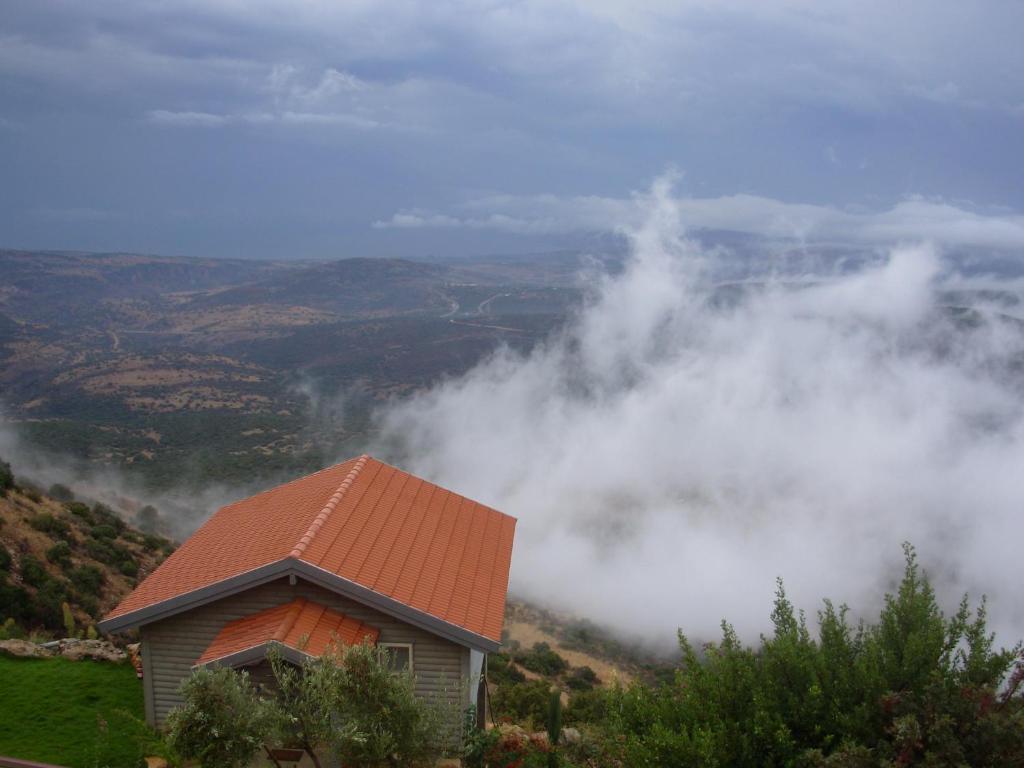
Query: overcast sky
x=332, y=129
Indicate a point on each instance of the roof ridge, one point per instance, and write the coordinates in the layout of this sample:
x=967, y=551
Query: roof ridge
x=325, y=513
x=290, y=618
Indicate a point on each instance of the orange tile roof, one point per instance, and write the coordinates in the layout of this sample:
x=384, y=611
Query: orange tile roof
x=402, y=537
x=301, y=624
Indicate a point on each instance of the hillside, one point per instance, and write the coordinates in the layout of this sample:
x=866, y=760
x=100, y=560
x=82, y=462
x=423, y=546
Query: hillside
x=55, y=552
x=188, y=371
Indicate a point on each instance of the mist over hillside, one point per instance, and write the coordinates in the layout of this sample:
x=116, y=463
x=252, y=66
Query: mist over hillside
x=682, y=442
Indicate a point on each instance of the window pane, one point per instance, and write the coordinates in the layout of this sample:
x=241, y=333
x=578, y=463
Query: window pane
x=396, y=658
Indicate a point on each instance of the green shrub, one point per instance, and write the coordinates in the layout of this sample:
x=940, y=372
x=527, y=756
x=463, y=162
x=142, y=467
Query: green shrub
x=103, y=532
x=222, y=722
x=87, y=580
x=60, y=554
x=916, y=687
x=48, y=604
x=104, y=515
x=33, y=572
x=542, y=660
x=107, y=552
x=6, y=478
x=87, y=603
x=80, y=510
x=352, y=703
x=9, y=630
x=129, y=568
x=5, y=558
x=100, y=550
x=46, y=523
x=15, y=601
x=61, y=492
x=590, y=706
x=501, y=671
x=581, y=679
x=523, y=702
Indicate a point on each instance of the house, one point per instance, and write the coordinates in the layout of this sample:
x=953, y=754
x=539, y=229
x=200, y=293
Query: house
x=358, y=552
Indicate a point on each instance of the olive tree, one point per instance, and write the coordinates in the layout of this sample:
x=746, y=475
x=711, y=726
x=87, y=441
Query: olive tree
x=223, y=722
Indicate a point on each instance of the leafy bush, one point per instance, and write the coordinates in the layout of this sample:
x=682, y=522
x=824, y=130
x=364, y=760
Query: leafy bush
x=9, y=630
x=587, y=707
x=501, y=671
x=61, y=492
x=80, y=510
x=581, y=679
x=129, y=567
x=349, y=703
x=15, y=601
x=522, y=702
x=87, y=580
x=33, y=572
x=48, y=604
x=107, y=552
x=916, y=687
x=54, y=526
x=60, y=554
x=542, y=660
x=100, y=550
x=6, y=478
x=222, y=723
x=104, y=515
x=352, y=702
x=87, y=604
x=103, y=531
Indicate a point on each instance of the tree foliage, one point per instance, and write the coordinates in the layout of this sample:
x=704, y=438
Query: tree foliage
x=222, y=723
x=346, y=703
x=916, y=687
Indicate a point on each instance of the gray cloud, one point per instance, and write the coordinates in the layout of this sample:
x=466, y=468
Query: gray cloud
x=591, y=99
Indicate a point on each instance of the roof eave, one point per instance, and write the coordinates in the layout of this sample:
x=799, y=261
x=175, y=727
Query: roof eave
x=254, y=654
x=291, y=566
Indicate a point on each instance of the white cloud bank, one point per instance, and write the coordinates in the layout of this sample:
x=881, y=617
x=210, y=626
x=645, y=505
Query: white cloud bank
x=681, y=445
x=914, y=218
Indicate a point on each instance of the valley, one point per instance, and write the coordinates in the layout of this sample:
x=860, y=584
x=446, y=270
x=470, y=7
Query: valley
x=188, y=371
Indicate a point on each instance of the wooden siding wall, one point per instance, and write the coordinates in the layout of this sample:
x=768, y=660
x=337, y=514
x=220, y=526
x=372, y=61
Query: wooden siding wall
x=171, y=646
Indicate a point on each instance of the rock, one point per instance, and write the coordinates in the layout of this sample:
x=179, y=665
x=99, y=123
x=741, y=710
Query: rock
x=135, y=656
x=569, y=736
x=96, y=650
x=24, y=649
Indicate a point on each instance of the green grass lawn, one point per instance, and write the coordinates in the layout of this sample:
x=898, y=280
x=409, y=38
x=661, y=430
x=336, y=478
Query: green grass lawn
x=80, y=714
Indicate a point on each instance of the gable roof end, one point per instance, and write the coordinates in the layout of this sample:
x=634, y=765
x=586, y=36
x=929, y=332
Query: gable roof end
x=399, y=540
x=301, y=625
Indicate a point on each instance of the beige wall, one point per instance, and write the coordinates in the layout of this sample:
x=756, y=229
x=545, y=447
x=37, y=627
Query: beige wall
x=171, y=646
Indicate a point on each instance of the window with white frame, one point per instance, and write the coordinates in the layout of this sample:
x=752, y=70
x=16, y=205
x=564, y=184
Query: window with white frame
x=397, y=657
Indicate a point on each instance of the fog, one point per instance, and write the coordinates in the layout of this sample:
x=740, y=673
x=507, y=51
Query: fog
x=182, y=508
x=683, y=442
